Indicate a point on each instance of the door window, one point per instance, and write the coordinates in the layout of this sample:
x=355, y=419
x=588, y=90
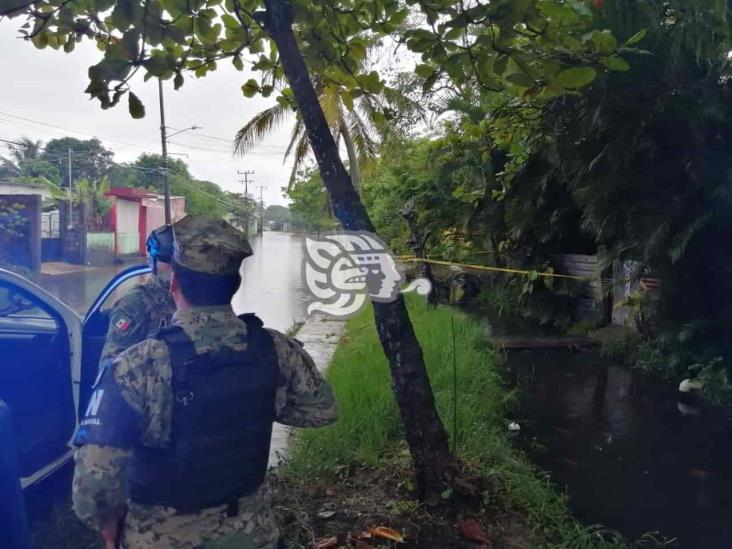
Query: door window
x=97, y=323
x=122, y=290
x=14, y=305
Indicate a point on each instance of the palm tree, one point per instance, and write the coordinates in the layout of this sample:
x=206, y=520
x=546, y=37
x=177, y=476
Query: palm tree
x=20, y=153
x=27, y=149
x=354, y=125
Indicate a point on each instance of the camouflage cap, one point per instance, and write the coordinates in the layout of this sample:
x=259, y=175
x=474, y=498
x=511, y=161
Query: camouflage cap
x=210, y=246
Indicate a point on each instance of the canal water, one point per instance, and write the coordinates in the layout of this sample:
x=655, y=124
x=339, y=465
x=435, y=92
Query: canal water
x=629, y=452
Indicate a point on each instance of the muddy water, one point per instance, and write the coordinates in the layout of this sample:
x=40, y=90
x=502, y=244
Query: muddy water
x=631, y=455
x=271, y=282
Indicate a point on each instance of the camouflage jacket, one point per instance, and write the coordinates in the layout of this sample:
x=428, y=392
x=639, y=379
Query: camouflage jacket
x=141, y=382
x=142, y=311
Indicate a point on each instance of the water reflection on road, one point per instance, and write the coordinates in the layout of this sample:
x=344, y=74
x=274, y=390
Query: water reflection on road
x=271, y=282
x=271, y=287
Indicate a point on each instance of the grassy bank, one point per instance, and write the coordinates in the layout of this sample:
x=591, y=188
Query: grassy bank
x=366, y=442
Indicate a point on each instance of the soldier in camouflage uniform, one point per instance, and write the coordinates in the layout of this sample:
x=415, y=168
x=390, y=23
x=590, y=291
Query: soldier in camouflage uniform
x=147, y=307
x=193, y=444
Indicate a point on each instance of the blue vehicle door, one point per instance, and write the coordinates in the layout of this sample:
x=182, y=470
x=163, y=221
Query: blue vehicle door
x=36, y=374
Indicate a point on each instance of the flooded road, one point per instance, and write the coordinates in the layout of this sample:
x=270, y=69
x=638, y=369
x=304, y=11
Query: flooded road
x=271, y=284
x=630, y=455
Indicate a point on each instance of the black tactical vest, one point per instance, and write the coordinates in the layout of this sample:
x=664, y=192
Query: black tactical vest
x=222, y=425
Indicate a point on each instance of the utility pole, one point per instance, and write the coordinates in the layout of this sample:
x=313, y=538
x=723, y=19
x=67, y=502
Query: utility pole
x=261, y=210
x=70, y=224
x=246, y=174
x=164, y=140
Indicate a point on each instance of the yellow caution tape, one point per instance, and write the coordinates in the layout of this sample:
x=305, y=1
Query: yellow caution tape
x=411, y=258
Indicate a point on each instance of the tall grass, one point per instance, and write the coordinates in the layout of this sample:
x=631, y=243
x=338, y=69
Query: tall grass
x=369, y=428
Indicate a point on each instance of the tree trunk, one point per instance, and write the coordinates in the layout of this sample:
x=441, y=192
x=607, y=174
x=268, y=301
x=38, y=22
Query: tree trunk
x=353, y=166
x=418, y=241
x=435, y=466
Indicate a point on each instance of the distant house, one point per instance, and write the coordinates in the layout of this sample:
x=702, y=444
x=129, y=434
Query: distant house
x=10, y=186
x=135, y=213
x=20, y=211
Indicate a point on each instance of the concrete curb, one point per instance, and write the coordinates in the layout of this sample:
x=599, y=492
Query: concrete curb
x=320, y=335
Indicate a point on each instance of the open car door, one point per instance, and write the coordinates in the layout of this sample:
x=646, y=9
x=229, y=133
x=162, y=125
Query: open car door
x=40, y=354
x=49, y=358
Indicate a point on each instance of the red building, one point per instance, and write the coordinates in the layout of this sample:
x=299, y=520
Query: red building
x=135, y=213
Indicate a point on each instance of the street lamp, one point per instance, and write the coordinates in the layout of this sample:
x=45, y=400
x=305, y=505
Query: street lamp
x=164, y=140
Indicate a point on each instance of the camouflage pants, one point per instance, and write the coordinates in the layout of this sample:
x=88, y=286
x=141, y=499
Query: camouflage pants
x=160, y=528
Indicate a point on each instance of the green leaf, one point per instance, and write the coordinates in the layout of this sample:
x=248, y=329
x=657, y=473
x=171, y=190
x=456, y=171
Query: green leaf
x=371, y=82
x=557, y=11
x=615, y=63
x=178, y=81
x=454, y=34
x=137, y=109
x=256, y=47
x=347, y=99
x=399, y=17
x=499, y=67
x=230, y=22
x=429, y=82
x=238, y=63
x=70, y=44
x=157, y=65
x=520, y=79
x=131, y=44
x=423, y=70
x=637, y=37
x=124, y=13
x=446, y=494
x=250, y=88
x=575, y=77
x=266, y=91
x=571, y=43
x=604, y=41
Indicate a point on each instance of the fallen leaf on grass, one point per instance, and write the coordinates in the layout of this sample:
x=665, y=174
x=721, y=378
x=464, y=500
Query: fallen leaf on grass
x=329, y=491
x=366, y=534
x=326, y=543
x=472, y=530
x=387, y=533
x=363, y=545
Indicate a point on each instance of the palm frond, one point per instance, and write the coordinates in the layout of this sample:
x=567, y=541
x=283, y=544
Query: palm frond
x=361, y=134
x=330, y=102
x=258, y=127
x=301, y=153
x=297, y=134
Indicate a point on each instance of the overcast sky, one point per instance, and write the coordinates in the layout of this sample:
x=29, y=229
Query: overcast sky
x=47, y=86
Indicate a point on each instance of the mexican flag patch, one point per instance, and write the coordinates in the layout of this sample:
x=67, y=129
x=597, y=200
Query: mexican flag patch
x=121, y=323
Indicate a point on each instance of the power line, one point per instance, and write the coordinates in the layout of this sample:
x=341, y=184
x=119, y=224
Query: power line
x=229, y=141
x=227, y=153
x=125, y=143
x=221, y=200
